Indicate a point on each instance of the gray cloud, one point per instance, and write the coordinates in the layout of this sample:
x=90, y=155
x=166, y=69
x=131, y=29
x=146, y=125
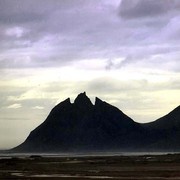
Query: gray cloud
x=64, y=31
x=20, y=18
x=141, y=8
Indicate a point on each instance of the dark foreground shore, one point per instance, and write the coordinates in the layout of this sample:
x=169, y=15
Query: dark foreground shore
x=154, y=167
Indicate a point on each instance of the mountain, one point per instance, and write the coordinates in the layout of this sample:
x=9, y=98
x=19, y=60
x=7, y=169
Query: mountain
x=165, y=131
x=169, y=121
x=82, y=126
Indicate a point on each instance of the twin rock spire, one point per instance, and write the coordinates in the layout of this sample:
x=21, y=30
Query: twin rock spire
x=83, y=100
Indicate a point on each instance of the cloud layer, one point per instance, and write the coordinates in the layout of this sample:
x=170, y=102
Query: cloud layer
x=124, y=51
x=63, y=31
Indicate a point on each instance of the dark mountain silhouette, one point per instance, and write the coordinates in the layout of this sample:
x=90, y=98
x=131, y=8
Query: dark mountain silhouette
x=165, y=132
x=171, y=120
x=82, y=126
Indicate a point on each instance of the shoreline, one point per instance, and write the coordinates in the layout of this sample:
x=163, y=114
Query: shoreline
x=91, y=167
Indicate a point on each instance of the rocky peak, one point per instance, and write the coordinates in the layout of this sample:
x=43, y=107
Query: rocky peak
x=82, y=100
x=98, y=101
x=64, y=104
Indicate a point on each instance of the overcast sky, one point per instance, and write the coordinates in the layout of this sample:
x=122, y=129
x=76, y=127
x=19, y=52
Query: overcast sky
x=125, y=52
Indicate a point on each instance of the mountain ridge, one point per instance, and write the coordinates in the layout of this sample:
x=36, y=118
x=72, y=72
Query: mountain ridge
x=83, y=126
x=167, y=120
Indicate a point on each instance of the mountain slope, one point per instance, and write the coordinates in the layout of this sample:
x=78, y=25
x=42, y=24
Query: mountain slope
x=171, y=120
x=165, y=132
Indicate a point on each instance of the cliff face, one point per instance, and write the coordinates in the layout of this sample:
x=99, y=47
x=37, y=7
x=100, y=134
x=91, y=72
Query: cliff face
x=82, y=126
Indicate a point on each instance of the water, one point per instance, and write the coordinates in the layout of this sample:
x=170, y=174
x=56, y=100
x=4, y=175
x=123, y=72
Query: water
x=86, y=154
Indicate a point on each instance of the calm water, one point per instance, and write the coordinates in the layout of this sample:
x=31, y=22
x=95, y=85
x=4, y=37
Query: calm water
x=8, y=155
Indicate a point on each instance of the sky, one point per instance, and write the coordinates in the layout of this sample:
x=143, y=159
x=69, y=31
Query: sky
x=126, y=52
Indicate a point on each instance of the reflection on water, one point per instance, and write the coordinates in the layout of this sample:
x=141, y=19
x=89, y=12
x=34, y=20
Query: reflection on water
x=89, y=177
x=73, y=176
x=18, y=174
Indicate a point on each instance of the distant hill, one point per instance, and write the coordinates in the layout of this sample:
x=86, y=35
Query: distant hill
x=171, y=120
x=82, y=126
x=165, y=132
